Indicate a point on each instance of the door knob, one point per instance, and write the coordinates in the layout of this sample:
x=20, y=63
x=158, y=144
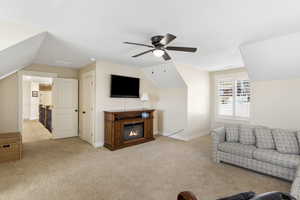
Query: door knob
x=76, y=110
x=83, y=112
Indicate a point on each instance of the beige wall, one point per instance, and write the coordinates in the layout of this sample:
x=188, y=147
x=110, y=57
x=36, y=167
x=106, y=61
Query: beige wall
x=198, y=90
x=62, y=72
x=172, y=110
x=275, y=104
x=9, y=104
x=103, y=100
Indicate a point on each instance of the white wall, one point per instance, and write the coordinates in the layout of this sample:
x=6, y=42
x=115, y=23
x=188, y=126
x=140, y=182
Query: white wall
x=34, y=102
x=198, y=95
x=26, y=99
x=104, y=102
x=45, y=97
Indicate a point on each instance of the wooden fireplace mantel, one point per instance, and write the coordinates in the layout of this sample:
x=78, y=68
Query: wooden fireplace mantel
x=115, y=122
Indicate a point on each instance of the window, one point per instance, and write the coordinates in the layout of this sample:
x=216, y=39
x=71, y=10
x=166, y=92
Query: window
x=233, y=97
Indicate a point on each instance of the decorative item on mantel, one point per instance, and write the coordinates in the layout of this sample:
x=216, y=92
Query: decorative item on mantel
x=145, y=98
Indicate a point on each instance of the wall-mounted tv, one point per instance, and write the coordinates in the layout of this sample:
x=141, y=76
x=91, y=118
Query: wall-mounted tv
x=124, y=87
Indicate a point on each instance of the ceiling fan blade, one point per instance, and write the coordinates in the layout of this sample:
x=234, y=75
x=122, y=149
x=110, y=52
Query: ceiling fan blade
x=145, y=45
x=166, y=56
x=186, y=49
x=140, y=54
x=167, y=39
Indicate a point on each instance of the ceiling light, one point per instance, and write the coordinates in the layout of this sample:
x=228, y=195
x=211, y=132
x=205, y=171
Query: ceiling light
x=158, y=52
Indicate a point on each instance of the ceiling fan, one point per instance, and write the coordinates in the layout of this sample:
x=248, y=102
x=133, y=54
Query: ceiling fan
x=159, y=46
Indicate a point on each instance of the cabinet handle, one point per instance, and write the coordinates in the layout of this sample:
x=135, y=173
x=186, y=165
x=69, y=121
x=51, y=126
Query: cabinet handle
x=83, y=112
x=76, y=110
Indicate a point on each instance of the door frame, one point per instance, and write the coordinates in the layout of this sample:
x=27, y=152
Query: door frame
x=93, y=97
x=20, y=91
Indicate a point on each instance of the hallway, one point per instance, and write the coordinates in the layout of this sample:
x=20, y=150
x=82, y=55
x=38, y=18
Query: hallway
x=34, y=131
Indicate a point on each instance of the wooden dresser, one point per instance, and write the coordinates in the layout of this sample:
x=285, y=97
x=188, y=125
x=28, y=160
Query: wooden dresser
x=10, y=146
x=126, y=128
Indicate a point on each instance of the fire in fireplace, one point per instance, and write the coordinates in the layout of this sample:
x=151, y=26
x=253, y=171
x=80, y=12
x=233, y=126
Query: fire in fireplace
x=133, y=131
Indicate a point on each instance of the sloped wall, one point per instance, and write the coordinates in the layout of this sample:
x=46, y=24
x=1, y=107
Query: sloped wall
x=172, y=98
x=12, y=33
x=19, y=55
x=198, y=99
x=273, y=59
x=183, y=99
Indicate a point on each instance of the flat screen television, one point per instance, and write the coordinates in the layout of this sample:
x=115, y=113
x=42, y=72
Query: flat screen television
x=124, y=87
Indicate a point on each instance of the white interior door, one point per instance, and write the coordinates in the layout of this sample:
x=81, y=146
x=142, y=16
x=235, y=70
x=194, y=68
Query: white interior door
x=87, y=106
x=65, y=108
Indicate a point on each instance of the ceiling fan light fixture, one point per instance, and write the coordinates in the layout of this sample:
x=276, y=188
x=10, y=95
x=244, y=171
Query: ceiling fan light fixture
x=158, y=52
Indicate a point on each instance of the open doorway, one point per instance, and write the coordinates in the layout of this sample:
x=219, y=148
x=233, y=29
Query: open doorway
x=53, y=105
x=37, y=108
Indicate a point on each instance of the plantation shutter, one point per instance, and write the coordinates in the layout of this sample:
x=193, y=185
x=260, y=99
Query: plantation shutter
x=225, y=100
x=242, y=98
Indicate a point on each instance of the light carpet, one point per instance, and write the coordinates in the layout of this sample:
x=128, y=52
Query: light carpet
x=70, y=169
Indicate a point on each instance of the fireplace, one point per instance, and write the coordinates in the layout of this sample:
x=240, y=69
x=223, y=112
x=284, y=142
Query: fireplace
x=133, y=131
x=127, y=128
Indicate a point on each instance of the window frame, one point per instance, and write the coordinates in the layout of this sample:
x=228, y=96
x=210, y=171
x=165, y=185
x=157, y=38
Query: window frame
x=233, y=77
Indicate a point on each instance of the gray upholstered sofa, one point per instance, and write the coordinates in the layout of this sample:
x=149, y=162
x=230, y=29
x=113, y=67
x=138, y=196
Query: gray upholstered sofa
x=275, y=152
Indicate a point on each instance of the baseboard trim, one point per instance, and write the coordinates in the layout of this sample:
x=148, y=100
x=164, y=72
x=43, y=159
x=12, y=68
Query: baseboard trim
x=98, y=144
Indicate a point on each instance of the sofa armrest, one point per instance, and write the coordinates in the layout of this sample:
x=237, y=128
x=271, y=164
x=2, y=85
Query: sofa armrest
x=218, y=136
x=295, y=190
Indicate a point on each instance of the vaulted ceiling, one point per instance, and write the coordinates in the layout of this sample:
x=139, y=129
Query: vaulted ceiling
x=81, y=30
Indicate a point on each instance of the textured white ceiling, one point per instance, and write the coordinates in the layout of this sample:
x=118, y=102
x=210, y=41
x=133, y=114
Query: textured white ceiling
x=80, y=30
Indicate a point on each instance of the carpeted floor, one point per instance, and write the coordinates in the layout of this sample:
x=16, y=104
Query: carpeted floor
x=70, y=169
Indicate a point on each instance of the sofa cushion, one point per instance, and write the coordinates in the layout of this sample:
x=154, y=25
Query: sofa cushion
x=274, y=157
x=246, y=134
x=237, y=149
x=232, y=132
x=285, y=141
x=264, y=138
x=295, y=190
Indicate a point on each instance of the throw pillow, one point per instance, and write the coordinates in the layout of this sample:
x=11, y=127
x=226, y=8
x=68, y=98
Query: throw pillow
x=264, y=138
x=285, y=141
x=247, y=134
x=298, y=137
x=232, y=133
